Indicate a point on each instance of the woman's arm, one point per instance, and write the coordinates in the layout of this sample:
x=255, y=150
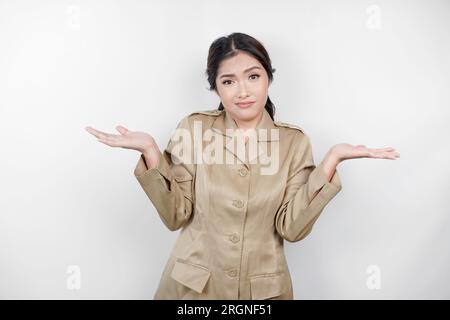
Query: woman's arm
x=168, y=183
x=310, y=188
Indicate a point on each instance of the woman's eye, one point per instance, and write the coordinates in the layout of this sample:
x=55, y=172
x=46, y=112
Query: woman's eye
x=253, y=75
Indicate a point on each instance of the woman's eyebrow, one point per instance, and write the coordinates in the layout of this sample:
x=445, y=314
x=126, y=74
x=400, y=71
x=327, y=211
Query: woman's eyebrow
x=246, y=70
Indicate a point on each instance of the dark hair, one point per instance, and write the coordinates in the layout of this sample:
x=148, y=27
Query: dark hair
x=231, y=45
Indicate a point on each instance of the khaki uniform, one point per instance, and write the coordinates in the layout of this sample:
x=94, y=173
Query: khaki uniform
x=233, y=219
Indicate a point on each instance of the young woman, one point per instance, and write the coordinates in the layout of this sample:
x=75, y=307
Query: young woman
x=234, y=215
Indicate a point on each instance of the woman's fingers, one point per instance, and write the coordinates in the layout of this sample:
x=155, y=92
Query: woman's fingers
x=348, y=151
x=126, y=139
x=97, y=133
x=383, y=153
x=391, y=153
x=388, y=149
x=111, y=140
x=388, y=155
x=91, y=130
x=122, y=130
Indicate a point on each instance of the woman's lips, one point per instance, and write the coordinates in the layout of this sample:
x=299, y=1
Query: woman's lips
x=245, y=105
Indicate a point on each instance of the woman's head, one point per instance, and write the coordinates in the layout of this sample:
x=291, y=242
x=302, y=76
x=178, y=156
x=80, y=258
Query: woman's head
x=239, y=70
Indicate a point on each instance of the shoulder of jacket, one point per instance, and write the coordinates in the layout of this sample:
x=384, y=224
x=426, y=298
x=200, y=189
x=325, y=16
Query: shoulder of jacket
x=207, y=117
x=214, y=112
x=288, y=125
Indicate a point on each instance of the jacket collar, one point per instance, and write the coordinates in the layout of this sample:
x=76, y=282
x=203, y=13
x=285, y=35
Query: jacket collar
x=224, y=121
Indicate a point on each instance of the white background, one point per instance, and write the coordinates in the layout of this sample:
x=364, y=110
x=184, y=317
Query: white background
x=361, y=72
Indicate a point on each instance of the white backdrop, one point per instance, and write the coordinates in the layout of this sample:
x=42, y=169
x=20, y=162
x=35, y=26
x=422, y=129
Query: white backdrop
x=74, y=222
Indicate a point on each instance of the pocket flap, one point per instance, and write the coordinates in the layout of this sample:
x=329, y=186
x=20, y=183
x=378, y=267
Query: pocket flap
x=191, y=275
x=181, y=178
x=266, y=286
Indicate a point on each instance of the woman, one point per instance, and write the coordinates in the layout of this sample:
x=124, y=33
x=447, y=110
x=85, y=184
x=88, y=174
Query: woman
x=235, y=214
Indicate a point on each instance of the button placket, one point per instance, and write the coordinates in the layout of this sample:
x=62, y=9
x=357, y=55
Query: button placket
x=235, y=237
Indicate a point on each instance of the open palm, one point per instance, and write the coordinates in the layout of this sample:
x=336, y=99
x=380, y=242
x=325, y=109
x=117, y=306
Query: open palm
x=347, y=151
x=140, y=141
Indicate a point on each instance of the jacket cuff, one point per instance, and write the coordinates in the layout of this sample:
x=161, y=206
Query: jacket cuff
x=318, y=182
x=143, y=174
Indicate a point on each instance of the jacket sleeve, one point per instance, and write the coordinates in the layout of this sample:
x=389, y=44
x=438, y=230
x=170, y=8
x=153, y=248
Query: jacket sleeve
x=169, y=185
x=307, y=193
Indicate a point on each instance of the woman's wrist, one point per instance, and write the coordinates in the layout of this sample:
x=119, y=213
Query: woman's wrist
x=151, y=158
x=333, y=156
x=329, y=163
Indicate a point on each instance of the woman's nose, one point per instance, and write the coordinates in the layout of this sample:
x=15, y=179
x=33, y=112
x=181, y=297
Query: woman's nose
x=242, y=91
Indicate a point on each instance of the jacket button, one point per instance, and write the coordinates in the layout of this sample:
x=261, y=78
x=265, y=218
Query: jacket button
x=232, y=273
x=243, y=172
x=238, y=203
x=234, y=238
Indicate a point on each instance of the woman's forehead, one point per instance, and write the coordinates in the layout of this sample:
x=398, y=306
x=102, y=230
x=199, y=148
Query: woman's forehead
x=238, y=64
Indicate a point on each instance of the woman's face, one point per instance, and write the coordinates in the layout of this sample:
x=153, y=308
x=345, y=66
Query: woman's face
x=242, y=78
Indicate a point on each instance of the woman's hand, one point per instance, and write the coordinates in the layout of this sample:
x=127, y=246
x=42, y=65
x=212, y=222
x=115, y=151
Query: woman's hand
x=345, y=151
x=140, y=141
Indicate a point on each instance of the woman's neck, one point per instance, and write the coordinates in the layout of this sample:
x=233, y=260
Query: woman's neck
x=248, y=125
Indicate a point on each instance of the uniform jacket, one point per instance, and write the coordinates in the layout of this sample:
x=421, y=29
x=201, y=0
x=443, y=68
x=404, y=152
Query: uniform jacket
x=233, y=219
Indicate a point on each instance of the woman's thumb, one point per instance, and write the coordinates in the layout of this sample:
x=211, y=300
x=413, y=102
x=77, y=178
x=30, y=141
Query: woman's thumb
x=122, y=130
